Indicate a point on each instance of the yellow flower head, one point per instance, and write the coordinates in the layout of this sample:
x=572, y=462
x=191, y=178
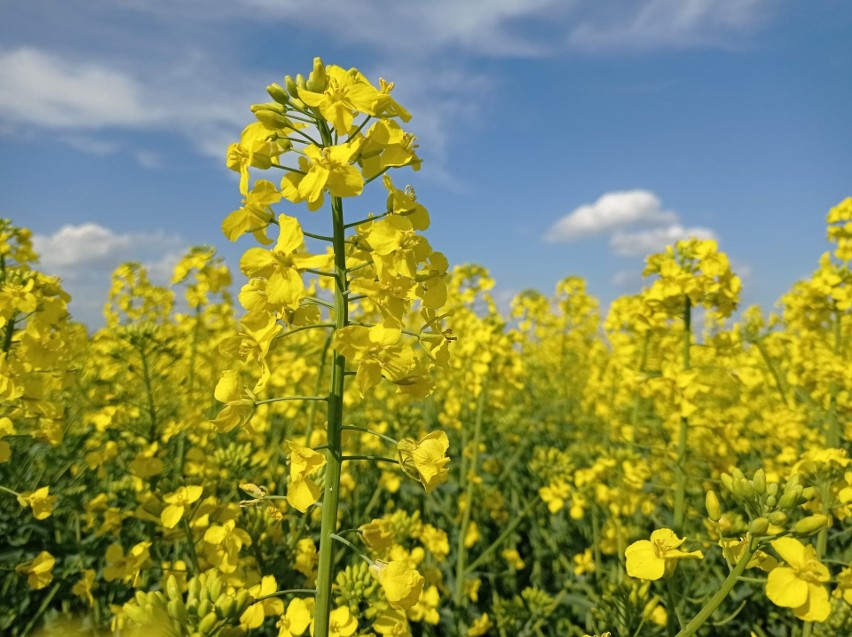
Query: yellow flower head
x=401, y=583
x=426, y=460
x=799, y=583
x=656, y=558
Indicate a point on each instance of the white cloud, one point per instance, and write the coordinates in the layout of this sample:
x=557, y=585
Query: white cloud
x=637, y=244
x=671, y=23
x=85, y=255
x=40, y=89
x=612, y=210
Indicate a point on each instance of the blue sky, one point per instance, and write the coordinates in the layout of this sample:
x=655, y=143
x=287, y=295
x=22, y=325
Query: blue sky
x=559, y=136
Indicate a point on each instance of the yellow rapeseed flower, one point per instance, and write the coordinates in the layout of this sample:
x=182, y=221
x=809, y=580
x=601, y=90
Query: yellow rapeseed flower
x=656, y=558
x=799, y=583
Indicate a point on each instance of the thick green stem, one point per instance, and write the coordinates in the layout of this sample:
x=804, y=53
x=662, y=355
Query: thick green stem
x=724, y=590
x=334, y=453
x=680, y=472
x=467, y=484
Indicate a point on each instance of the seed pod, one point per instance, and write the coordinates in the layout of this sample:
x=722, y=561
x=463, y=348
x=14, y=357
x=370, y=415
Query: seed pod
x=711, y=503
x=811, y=524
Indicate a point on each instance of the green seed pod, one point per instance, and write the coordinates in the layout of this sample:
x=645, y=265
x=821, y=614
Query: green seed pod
x=758, y=526
x=207, y=623
x=711, y=503
x=759, y=481
x=778, y=518
x=812, y=524
x=278, y=93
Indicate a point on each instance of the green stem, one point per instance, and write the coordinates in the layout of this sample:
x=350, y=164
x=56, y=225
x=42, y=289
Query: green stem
x=371, y=432
x=832, y=434
x=467, y=485
x=724, y=590
x=373, y=458
x=334, y=454
x=680, y=471
x=502, y=537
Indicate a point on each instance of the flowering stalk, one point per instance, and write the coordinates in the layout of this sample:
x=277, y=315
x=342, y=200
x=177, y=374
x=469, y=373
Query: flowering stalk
x=680, y=477
x=724, y=590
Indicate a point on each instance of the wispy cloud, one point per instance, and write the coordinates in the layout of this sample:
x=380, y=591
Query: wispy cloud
x=639, y=244
x=612, y=210
x=668, y=23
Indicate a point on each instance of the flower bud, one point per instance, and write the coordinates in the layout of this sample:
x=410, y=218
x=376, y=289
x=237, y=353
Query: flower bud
x=207, y=623
x=177, y=610
x=317, y=80
x=214, y=587
x=226, y=607
x=743, y=489
x=759, y=481
x=244, y=598
x=300, y=81
x=811, y=524
x=808, y=493
x=771, y=501
x=272, y=120
x=778, y=518
x=205, y=607
x=790, y=497
x=711, y=503
x=727, y=482
x=758, y=526
x=172, y=588
x=292, y=87
x=268, y=106
x=278, y=93
x=194, y=587
x=772, y=489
